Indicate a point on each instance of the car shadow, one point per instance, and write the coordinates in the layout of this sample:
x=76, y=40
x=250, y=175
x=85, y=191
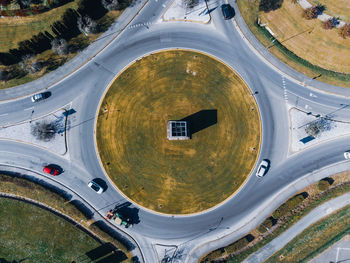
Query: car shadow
x=56, y=166
x=46, y=94
x=101, y=183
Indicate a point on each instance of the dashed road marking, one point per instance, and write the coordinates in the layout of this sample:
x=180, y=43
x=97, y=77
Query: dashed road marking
x=4, y=114
x=29, y=108
x=285, y=95
x=146, y=24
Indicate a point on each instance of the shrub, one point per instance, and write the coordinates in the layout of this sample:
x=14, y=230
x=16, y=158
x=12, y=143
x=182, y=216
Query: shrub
x=268, y=223
x=288, y=206
x=344, y=31
x=310, y=13
x=239, y=244
x=325, y=183
x=78, y=43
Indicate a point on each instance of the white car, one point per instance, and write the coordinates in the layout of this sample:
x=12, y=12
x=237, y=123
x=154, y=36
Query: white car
x=262, y=169
x=96, y=187
x=37, y=97
x=347, y=155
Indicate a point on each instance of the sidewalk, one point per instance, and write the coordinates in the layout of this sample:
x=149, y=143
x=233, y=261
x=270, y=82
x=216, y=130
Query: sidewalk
x=314, y=216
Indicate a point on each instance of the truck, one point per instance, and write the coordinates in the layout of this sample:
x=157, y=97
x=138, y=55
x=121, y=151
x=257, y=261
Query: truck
x=118, y=218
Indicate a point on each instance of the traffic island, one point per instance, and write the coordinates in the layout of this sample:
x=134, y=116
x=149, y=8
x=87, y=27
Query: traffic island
x=220, y=122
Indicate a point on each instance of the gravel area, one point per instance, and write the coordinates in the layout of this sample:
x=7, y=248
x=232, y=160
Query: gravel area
x=299, y=121
x=22, y=132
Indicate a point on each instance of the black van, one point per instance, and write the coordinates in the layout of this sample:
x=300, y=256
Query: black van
x=227, y=11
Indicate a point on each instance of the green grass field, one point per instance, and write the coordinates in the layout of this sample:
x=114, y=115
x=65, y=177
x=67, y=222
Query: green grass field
x=178, y=176
x=36, y=235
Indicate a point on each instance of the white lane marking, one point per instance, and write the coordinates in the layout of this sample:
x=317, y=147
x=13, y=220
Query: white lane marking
x=336, y=258
x=29, y=108
x=312, y=95
x=4, y=114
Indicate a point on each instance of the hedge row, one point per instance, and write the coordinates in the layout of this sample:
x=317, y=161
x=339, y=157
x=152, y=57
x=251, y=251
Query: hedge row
x=288, y=206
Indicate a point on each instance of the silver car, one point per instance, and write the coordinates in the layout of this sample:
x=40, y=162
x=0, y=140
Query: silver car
x=37, y=97
x=96, y=187
x=262, y=169
x=347, y=155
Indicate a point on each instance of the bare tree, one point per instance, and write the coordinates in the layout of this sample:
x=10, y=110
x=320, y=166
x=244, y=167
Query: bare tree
x=310, y=13
x=44, y=131
x=318, y=126
x=110, y=4
x=86, y=25
x=59, y=46
x=30, y=64
x=344, y=31
x=191, y=3
x=330, y=23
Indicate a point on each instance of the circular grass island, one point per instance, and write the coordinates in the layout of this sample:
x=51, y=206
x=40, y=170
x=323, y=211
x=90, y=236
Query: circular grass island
x=178, y=176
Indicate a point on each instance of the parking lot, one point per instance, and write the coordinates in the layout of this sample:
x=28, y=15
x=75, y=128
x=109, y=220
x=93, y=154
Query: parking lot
x=338, y=253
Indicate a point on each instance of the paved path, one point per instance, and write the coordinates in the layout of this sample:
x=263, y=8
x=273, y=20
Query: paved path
x=315, y=215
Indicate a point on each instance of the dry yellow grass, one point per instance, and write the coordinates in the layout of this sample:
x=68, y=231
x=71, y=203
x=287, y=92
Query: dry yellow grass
x=177, y=176
x=307, y=39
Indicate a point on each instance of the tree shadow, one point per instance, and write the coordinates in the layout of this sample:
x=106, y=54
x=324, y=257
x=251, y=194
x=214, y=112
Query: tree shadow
x=270, y=5
x=106, y=249
x=201, y=120
x=329, y=180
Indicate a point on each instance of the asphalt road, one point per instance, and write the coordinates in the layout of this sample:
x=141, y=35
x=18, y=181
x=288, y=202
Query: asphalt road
x=83, y=90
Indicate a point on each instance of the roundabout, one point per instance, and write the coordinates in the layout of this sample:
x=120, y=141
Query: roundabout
x=194, y=234
x=178, y=176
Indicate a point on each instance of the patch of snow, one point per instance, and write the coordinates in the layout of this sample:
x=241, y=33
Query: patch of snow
x=22, y=132
x=299, y=120
x=178, y=11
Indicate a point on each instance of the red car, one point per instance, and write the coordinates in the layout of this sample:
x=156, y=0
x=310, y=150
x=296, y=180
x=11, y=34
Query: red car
x=51, y=170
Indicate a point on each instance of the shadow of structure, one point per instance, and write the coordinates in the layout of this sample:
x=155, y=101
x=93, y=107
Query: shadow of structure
x=201, y=120
x=132, y=213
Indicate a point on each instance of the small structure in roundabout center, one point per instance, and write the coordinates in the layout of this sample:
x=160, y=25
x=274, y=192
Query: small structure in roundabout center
x=178, y=130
